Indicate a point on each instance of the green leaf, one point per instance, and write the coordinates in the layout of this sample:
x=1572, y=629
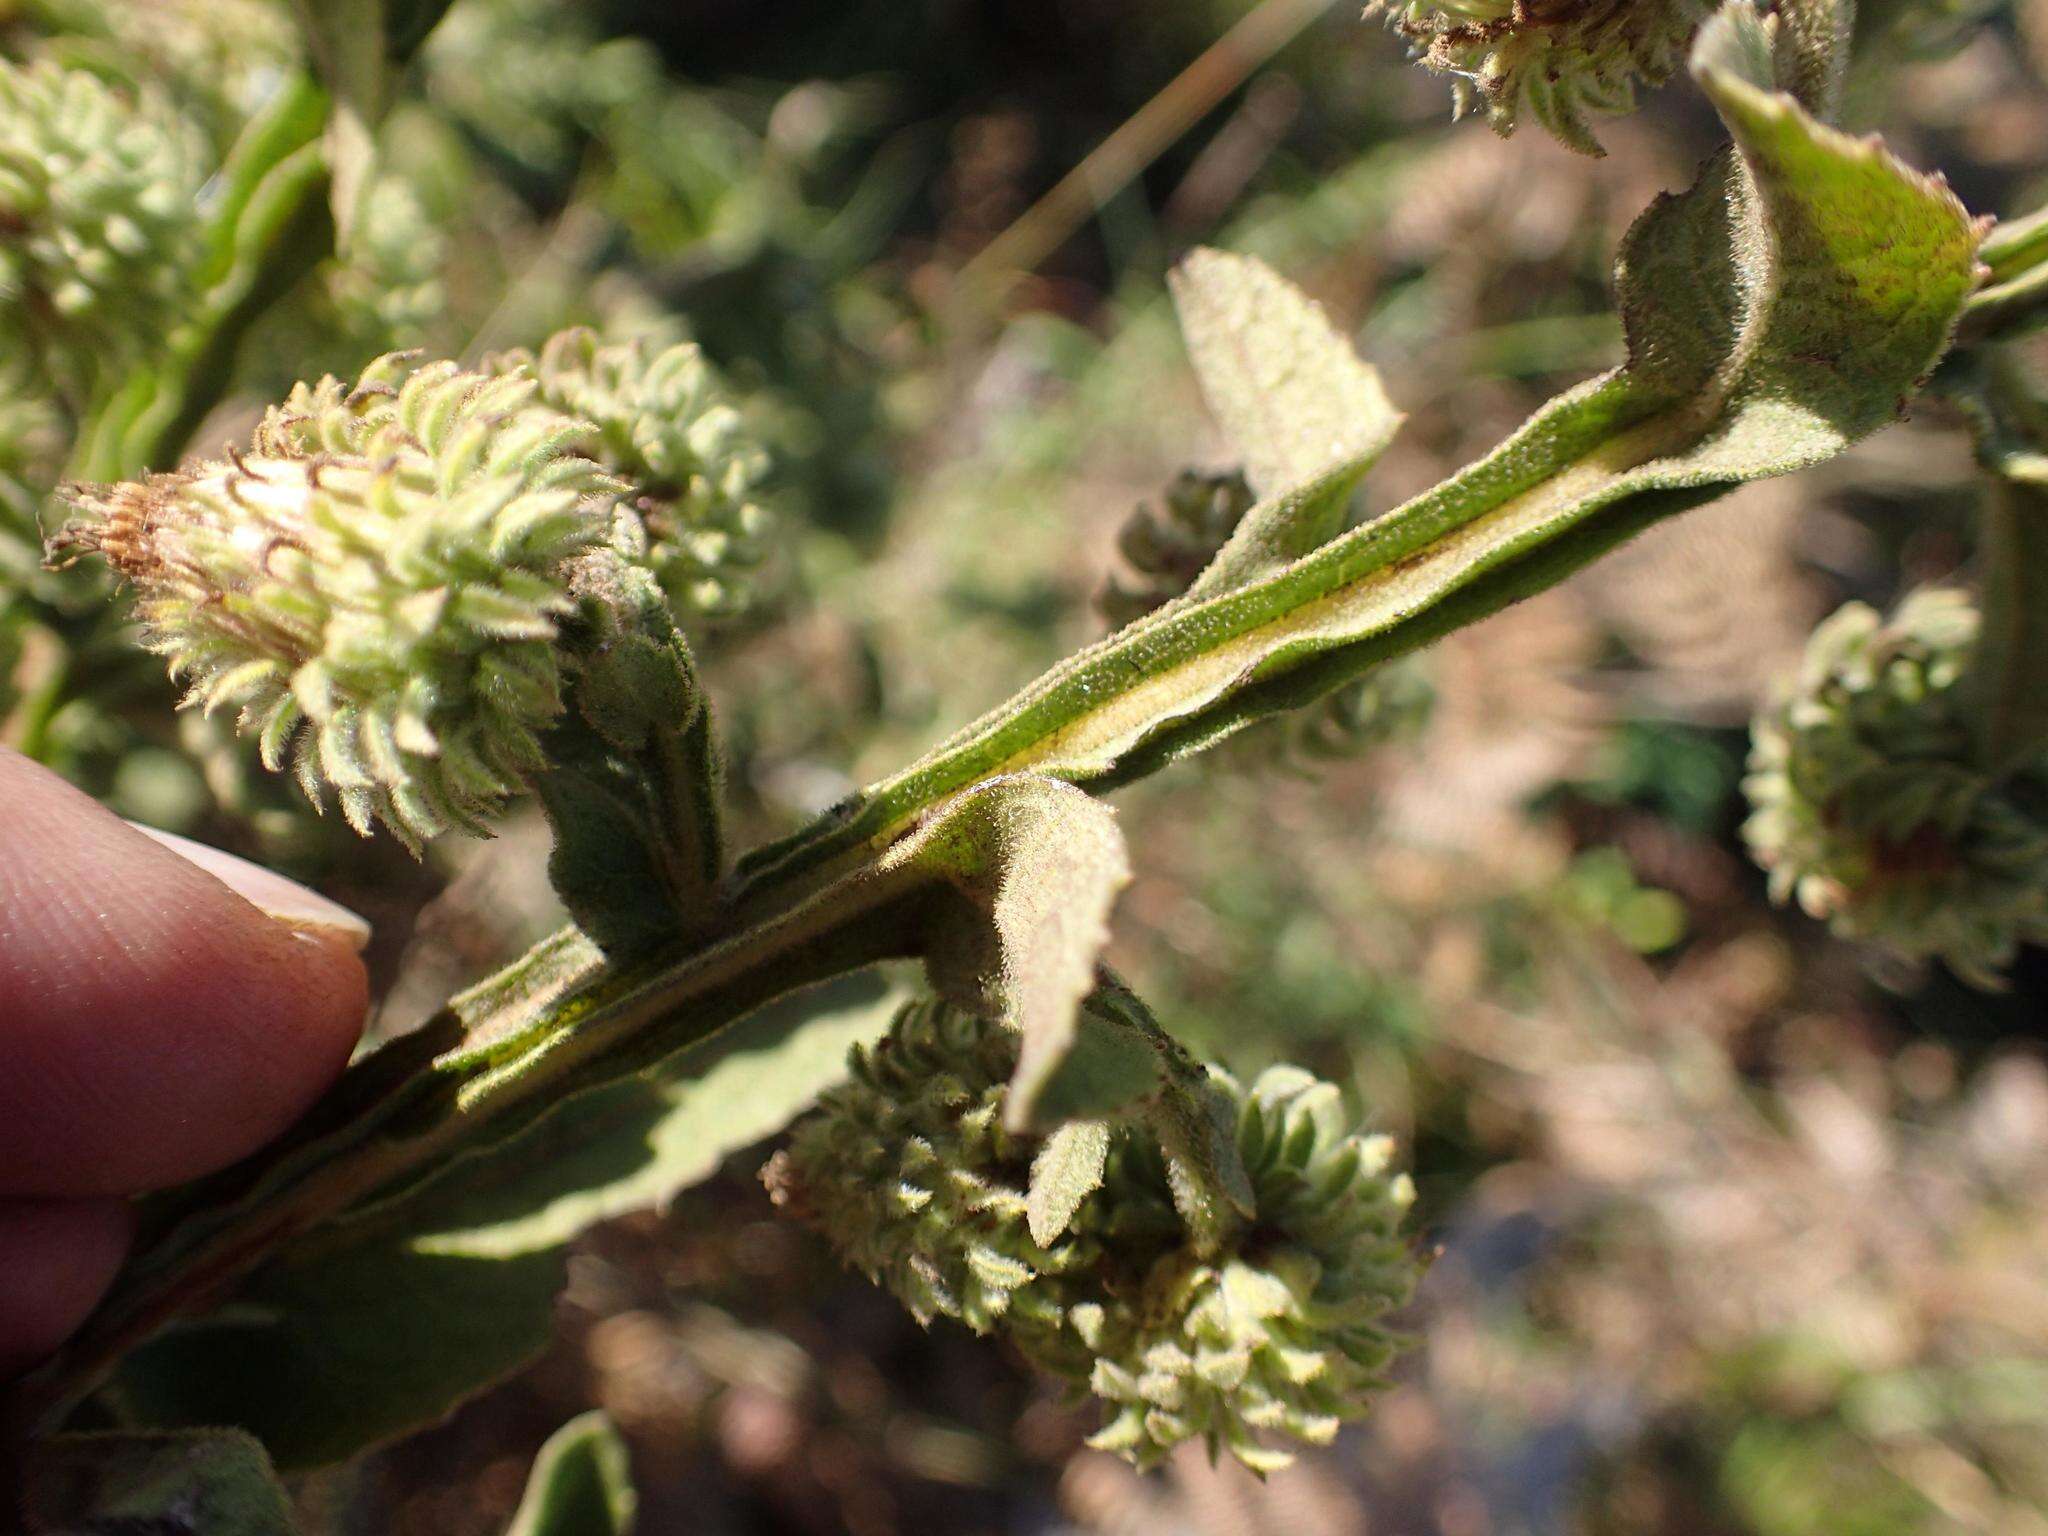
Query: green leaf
x=1292, y=394
x=1194, y=1122
x=633, y=787
x=1066, y=1171
x=1124, y=1066
x=265, y=230
x=1111, y=1068
x=389, y=1317
x=1784, y=307
x=581, y=1483
x=1037, y=865
x=637, y=1144
x=329, y=1350
x=1304, y=412
x=361, y=48
x=204, y=1482
x=407, y=24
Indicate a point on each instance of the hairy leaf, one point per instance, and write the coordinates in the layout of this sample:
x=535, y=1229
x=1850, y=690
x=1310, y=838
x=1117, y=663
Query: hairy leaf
x=325, y=1352
x=407, y=24
x=1194, y=1122
x=1067, y=1170
x=581, y=1483
x=347, y=42
x=1038, y=865
x=361, y=47
x=1812, y=50
x=1292, y=394
x=1123, y=1066
x=266, y=227
x=632, y=789
x=1785, y=306
x=1305, y=413
x=204, y=1482
x=314, y=1356
x=639, y=1143
x=1112, y=1067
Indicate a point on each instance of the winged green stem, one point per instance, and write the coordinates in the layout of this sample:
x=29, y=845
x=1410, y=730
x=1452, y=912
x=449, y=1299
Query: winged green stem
x=557, y=1022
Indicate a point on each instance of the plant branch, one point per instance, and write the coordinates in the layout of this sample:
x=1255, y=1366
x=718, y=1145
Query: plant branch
x=1776, y=312
x=558, y=1025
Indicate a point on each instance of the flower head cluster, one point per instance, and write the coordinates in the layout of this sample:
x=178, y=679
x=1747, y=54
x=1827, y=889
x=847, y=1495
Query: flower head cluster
x=1560, y=58
x=1871, y=809
x=96, y=193
x=1168, y=547
x=910, y=1173
x=662, y=419
x=376, y=585
x=388, y=291
x=1283, y=1330
x=217, y=59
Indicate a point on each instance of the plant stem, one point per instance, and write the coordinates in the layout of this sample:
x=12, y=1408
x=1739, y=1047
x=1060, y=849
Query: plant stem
x=2009, y=699
x=2012, y=653
x=551, y=1026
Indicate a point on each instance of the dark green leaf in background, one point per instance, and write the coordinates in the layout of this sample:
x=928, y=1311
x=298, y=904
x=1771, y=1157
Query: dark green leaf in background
x=206, y=1482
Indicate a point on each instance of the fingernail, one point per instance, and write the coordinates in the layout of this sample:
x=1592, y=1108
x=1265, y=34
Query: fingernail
x=267, y=891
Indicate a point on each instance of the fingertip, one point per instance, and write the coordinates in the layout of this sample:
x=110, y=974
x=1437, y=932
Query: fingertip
x=269, y=892
x=155, y=1024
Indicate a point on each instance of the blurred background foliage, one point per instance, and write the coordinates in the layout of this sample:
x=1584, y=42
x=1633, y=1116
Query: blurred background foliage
x=1740, y=1233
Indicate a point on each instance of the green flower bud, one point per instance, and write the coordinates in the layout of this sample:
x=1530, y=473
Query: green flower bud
x=388, y=291
x=1169, y=547
x=376, y=585
x=219, y=60
x=908, y=1171
x=96, y=192
x=1560, y=58
x=1287, y=1331
x=1871, y=809
x=663, y=420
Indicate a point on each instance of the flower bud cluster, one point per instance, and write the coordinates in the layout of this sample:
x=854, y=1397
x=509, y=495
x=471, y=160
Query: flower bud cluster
x=662, y=419
x=908, y=1171
x=1870, y=806
x=388, y=291
x=1168, y=547
x=97, y=189
x=1561, y=59
x=376, y=585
